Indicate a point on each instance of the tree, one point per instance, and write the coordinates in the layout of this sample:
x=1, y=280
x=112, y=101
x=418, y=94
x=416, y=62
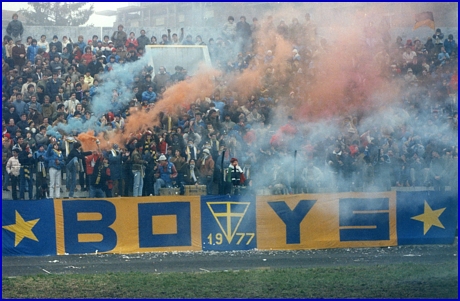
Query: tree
x=58, y=13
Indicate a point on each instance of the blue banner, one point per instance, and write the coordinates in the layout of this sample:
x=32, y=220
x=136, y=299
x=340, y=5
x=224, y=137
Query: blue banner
x=426, y=217
x=228, y=223
x=28, y=228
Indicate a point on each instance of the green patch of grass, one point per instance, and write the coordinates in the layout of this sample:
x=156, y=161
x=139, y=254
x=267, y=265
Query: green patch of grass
x=380, y=281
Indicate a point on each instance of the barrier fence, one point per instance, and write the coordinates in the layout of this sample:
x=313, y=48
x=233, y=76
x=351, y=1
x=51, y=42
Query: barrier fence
x=227, y=223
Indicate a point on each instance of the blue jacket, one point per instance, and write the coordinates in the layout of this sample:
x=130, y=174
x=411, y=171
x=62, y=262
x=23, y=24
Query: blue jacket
x=449, y=46
x=32, y=52
x=116, y=56
x=93, y=90
x=166, y=171
x=20, y=107
x=150, y=96
x=51, y=156
x=53, y=87
x=40, y=157
x=82, y=46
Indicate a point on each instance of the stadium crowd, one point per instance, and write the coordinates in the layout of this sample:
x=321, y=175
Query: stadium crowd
x=229, y=143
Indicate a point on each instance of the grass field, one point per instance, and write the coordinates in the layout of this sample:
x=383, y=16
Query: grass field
x=379, y=281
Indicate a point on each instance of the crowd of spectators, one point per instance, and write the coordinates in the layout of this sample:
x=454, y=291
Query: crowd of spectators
x=48, y=83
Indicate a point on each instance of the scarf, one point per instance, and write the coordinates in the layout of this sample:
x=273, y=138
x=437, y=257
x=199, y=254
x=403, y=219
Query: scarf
x=192, y=172
x=216, y=145
x=80, y=164
x=42, y=169
x=99, y=173
x=26, y=171
x=235, y=171
x=191, y=152
x=58, y=152
x=204, y=159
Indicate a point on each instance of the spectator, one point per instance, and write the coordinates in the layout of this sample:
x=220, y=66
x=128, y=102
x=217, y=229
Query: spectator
x=161, y=79
x=19, y=54
x=149, y=95
x=32, y=51
x=205, y=165
x=138, y=169
x=235, y=177
x=199, y=41
x=142, y=40
x=73, y=165
x=119, y=37
x=243, y=34
x=229, y=29
x=181, y=166
x=41, y=169
x=443, y=56
x=166, y=173
x=43, y=44
x=15, y=28
x=13, y=168
x=26, y=173
x=438, y=39
x=131, y=42
x=449, y=45
x=188, y=40
x=55, y=160
x=56, y=43
x=99, y=178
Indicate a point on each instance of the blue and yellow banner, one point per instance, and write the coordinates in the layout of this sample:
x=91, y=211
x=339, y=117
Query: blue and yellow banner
x=426, y=217
x=318, y=221
x=227, y=223
x=28, y=228
x=128, y=225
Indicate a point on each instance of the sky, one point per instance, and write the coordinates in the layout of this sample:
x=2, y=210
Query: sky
x=97, y=20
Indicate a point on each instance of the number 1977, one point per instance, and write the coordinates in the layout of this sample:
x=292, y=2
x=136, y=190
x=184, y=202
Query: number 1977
x=219, y=238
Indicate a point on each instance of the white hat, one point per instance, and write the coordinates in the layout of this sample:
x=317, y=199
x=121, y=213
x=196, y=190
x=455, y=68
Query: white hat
x=206, y=151
x=162, y=158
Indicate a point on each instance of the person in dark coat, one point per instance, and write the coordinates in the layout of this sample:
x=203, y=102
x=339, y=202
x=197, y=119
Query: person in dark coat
x=74, y=163
x=119, y=37
x=99, y=179
x=115, y=162
x=15, y=28
x=19, y=54
x=26, y=174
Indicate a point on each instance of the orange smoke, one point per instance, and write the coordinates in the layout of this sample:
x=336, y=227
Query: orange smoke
x=88, y=141
x=181, y=94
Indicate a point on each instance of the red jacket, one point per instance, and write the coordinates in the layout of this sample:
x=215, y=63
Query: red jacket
x=90, y=162
x=131, y=44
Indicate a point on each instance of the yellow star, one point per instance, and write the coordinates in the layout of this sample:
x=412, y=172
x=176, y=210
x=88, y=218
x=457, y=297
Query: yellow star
x=429, y=218
x=22, y=229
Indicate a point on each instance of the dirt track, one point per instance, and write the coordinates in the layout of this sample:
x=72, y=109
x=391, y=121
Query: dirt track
x=219, y=261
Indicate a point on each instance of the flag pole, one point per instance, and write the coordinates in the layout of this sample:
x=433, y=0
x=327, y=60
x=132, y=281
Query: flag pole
x=294, y=182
